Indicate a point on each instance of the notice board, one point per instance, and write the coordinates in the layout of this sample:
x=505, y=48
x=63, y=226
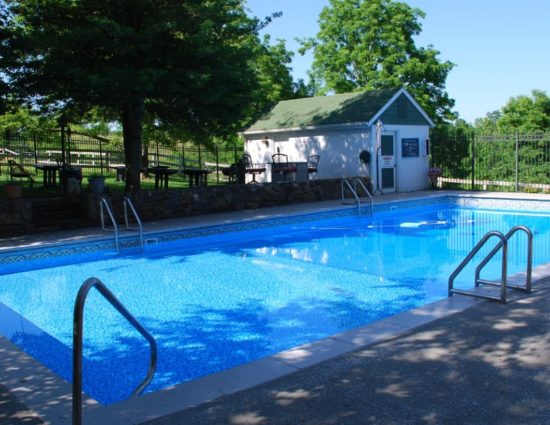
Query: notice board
x=409, y=147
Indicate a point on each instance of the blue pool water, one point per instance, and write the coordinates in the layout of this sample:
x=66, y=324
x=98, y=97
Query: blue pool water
x=219, y=301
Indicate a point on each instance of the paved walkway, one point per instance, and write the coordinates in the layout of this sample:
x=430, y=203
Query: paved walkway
x=487, y=365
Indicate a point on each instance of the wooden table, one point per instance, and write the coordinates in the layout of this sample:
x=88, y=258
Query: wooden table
x=49, y=173
x=197, y=176
x=120, y=171
x=162, y=174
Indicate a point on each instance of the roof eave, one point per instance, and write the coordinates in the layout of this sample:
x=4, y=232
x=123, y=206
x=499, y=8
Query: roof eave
x=309, y=128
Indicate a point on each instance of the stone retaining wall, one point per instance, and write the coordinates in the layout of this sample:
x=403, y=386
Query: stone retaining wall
x=16, y=216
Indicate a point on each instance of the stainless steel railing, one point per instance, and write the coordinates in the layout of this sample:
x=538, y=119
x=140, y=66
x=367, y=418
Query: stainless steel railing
x=104, y=206
x=503, y=284
x=528, y=269
x=347, y=183
x=78, y=324
x=128, y=205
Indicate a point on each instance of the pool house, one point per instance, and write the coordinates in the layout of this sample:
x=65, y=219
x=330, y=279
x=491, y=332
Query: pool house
x=389, y=125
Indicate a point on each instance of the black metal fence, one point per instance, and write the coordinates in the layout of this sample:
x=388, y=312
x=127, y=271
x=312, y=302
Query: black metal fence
x=513, y=162
x=100, y=155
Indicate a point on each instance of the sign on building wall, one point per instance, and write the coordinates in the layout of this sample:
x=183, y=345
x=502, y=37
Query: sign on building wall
x=409, y=148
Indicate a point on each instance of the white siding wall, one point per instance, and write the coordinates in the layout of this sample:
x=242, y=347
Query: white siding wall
x=339, y=151
x=411, y=172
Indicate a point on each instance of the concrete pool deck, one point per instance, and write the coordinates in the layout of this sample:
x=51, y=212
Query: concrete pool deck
x=484, y=364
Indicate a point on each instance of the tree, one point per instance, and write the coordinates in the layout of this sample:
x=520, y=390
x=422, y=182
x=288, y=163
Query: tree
x=184, y=62
x=526, y=113
x=488, y=124
x=451, y=148
x=369, y=44
x=272, y=66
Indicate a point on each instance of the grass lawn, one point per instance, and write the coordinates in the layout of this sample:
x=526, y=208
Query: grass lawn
x=176, y=181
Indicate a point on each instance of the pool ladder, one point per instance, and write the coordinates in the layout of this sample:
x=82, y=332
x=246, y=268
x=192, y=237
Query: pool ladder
x=352, y=185
x=78, y=325
x=127, y=203
x=503, y=284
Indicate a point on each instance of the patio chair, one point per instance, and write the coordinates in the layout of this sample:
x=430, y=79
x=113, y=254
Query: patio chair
x=281, y=165
x=312, y=163
x=17, y=171
x=251, y=168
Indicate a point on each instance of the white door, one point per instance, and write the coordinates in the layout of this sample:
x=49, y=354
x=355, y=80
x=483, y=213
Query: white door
x=386, y=163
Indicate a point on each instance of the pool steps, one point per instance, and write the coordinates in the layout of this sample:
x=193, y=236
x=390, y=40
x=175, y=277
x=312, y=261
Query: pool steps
x=127, y=205
x=503, y=284
x=352, y=184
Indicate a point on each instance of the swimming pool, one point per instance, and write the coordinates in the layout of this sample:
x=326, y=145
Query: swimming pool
x=227, y=298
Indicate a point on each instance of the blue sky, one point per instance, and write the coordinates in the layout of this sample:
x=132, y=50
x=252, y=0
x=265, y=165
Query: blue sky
x=500, y=47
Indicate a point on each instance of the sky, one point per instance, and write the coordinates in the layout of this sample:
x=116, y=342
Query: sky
x=500, y=47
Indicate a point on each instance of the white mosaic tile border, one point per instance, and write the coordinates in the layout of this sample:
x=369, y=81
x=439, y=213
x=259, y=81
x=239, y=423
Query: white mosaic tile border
x=503, y=204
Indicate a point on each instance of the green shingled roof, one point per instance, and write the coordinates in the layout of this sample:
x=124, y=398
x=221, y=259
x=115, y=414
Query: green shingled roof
x=324, y=110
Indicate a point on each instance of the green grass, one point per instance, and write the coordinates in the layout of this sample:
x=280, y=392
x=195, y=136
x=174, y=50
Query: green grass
x=112, y=185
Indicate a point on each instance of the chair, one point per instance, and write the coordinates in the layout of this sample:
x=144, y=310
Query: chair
x=312, y=163
x=281, y=165
x=17, y=171
x=250, y=168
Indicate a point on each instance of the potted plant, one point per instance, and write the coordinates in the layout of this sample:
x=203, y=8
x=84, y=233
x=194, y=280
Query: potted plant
x=96, y=184
x=433, y=174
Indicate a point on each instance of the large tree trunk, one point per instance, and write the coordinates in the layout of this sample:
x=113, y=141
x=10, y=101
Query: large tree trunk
x=132, y=119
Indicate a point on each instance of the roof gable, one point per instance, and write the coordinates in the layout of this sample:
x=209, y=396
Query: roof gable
x=348, y=108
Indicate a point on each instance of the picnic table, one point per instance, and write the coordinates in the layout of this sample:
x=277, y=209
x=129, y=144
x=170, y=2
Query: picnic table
x=162, y=174
x=49, y=171
x=197, y=176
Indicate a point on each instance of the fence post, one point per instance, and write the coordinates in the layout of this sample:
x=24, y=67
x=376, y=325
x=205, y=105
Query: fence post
x=473, y=161
x=35, y=150
x=101, y=155
x=217, y=150
x=63, y=144
x=68, y=138
x=517, y=161
x=183, y=155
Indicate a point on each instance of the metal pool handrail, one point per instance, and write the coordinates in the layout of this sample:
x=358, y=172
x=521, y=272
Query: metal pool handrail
x=346, y=183
x=128, y=203
x=78, y=322
x=504, y=244
x=104, y=205
x=529, y=268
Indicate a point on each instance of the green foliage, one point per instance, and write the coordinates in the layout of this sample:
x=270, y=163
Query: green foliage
x=186, y=63
x=451, y=148
x=23, y=120
x=526, y=113
x=523, y=114
x=274, y=72
x=272, y=64
x=370, y=45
